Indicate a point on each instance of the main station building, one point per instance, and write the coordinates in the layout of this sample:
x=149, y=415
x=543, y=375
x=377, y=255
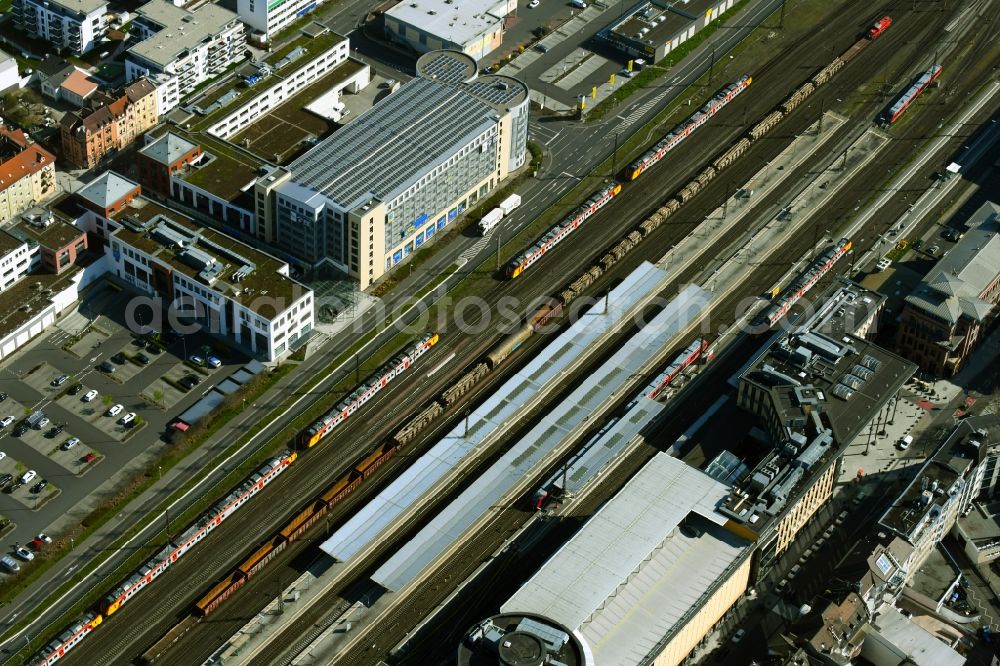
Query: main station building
x=376, y=190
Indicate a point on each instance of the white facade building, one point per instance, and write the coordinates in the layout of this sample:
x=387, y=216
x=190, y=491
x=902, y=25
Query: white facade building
x=76, y=25
x=9, y=77
x=473, y=27
x=15, y=260
x=181, y=49
x=269, y=17
x=226, y=287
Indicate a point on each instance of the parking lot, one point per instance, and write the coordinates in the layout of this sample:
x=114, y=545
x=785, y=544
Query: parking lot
x=104, y=451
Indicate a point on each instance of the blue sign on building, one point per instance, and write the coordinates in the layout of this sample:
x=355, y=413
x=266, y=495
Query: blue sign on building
x=430, y=231
x=397, y=256
x=442, y=222
x=419, y=240
x=419, y=222
x=452, y=214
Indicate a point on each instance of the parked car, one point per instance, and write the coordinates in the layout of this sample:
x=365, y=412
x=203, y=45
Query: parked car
x=70, y=443
x=6, y=421
x=738, y=636
x=214, y=362
x=75, y=389
x=154, y=349
x=60, y=380
x=3, y=396
x=139, y=342
x=541, y=48
x=115, y=410
x=9, y=563
x=20, y=430
x=39, y=487
x=904, y=442
x=119, y=358
x=106, y=366
x=197, y=360
x=28, y=476
x=90, y=457
x=43, y=537
x=23, y=552
x=44, y=421
x=188, y=382
x=3, y=455
x=917, y=244
x=142, y=358
x=952, y=234
x=90, y=395
x=128, y=418
x=55, y=430
x=533, y=4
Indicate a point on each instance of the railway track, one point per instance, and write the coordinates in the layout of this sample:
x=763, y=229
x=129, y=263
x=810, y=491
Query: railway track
x=153, y=617
x=434, y=589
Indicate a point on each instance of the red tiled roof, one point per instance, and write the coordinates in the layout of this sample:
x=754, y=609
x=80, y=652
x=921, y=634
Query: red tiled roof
x=80, y=84
x=31, y=159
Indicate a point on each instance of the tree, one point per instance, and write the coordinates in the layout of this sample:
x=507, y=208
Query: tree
x=107, y=400
x=157, y=395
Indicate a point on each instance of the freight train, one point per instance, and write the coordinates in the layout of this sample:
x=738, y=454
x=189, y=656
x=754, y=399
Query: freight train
x=900, y=106
x=475, y=374
x=686, y=128
x=379, y=380
x=803, y=283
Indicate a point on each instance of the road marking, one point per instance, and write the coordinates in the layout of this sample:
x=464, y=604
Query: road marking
x=476, y=248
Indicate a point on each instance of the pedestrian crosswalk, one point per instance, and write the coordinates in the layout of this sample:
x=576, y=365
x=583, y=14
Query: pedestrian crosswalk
x=475, y=248
x=642, y=110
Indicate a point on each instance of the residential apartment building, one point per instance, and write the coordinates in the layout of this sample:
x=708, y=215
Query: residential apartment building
x=269, y=17
x=10, y=79
x=74, y=25
x=180, y=49
x=368, y=196
x=110, y=123
x=27, y=173
x=945, y=316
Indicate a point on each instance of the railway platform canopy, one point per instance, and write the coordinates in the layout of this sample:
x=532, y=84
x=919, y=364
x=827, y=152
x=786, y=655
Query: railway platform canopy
x=413, y=486
x=547, y=439
x=649, y=564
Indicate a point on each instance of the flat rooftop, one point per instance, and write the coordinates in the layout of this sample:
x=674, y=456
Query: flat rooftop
x=46, y=228
x=942, y=475
x=209, y=257
x=29, y=295
x=168, y=148
x=399, y=140
x=641, y=565
x=182, y=30
x=285, y=63
x=457, y=21
x=656, y=22
x=8, y=243
x=106, y=189
x=224, y=170
x=82, y=6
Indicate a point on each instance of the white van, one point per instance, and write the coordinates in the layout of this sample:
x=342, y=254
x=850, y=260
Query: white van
x=905, y=442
